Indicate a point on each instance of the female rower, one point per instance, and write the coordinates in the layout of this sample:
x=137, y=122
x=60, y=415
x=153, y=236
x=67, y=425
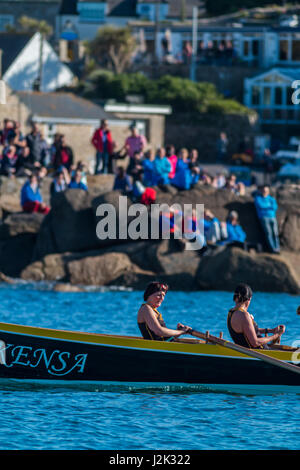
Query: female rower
x=241, y=325
x=150, y=321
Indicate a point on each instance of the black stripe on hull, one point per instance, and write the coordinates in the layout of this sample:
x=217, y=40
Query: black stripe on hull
x=36, y=358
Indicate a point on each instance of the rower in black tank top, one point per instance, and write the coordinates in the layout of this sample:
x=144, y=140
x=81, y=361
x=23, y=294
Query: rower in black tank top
x=238, y=338
x=147, y=333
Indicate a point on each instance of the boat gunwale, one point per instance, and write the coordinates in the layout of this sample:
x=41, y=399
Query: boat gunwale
x=160, y=346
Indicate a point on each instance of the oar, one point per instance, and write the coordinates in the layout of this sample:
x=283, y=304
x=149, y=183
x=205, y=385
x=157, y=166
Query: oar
x=248, y=352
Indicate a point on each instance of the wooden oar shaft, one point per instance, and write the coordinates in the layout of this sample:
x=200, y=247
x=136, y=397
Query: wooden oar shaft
x=246, y=351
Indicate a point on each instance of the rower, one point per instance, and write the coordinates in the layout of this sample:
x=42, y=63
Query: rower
x=242, y=327
x=150, y=321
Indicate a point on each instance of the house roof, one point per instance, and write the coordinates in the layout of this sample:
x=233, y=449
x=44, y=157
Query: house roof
x=62, y=106
x=12, y=44
x=288, y=72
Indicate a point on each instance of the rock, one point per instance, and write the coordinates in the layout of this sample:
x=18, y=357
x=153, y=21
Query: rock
x=263, y=272
x=16, y=253
x=50, y=268
x=290, y=230
x=65, y=287
x=98, y=270
x=70, y=225
x=6, y=279
x=19, y=223
x=10, y=203
x=100, y=184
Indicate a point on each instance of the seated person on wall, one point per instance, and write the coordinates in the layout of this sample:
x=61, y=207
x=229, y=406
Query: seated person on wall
x=76, y=181
x=149, y=174
x=242, y=327
x=194, y=166
x=60, y=182
x=162, y=167
x=31, y=199
x=172, y=157
x=183, y=177
x=9, y=161
x=135, y=167
x=266, y=208
x=63, y=155
x=212, y=228
x=150, y=321
x=122, y=181
x=233, y=234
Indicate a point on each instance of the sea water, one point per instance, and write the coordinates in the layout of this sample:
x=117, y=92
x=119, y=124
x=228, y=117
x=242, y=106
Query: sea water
x=91, y=417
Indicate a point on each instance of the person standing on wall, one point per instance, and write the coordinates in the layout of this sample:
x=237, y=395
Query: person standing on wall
x=103, y=143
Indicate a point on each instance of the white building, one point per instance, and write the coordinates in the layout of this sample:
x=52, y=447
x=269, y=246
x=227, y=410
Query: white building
x=20, y=63
x=270, y=94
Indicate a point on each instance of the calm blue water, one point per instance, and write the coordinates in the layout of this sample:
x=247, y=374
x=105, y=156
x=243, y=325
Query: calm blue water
x=57, y=418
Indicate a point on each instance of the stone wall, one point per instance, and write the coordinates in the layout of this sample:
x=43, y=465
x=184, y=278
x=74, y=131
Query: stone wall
x=202, y=133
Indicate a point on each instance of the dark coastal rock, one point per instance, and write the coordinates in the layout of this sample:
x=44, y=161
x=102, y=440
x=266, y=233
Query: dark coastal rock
x=20, y=223
x=16, y=253
x=69, y=226
x=264, y=272
x=98, y=270
x=65, y=287
x=50, y=268
x=10, y=203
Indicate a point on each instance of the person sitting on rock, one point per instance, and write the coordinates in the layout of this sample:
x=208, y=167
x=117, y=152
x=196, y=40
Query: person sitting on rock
x=232, y=232
x=241, y=325
x=60, y=182
x=122, y=181
x=149, y=175
x=162, y=167
x=76, y=182
x=183, y=176
x=31, y=199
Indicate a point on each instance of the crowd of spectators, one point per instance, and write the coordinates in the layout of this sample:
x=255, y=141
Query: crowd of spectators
x=30, y=155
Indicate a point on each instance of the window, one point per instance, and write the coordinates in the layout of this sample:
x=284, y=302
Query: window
x=267, y=96
x=5, y=20
x=278, y=96
x=283, y=49
x=255, y=48
x=255, y=95
x=296, y=50
x=91, y=11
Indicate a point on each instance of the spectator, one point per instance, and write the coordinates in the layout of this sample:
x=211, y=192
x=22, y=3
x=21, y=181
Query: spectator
x=148, y=169
x=6, y=132
x=122, y=181
x=9, y=161
x=31, y=199
x=162, y=167
x=60, y=182
x=35, y=144
x=135, y=142
x=172, y=157
x=103, y=143
x=135, y=168
x=266, y=207
x=233, y=186
x=76, y=182
x=212, y=227
x=232, y=231
x=23, y=165
x=194, y=166
x=17, y=137
x=63, y=156
x=182, y=178
x=222, y=144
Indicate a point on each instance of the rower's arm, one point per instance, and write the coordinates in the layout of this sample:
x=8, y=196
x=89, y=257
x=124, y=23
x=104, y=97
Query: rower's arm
x=249, y=332
x=153, y=324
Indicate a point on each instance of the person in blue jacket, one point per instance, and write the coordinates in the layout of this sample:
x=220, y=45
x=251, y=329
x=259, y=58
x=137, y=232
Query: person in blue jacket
x=266, y=208
x=162, y=167
x=234, y=234
x=76, y=182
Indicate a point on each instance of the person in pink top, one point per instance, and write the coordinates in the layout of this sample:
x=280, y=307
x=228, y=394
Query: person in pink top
x=170, y=153
x=135, y=142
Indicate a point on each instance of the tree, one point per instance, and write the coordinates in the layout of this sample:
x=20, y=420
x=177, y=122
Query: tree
x=115, y=46
x=32, y=25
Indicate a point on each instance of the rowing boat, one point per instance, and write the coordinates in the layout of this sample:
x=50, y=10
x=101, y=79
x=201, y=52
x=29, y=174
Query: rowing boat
x=46, y=355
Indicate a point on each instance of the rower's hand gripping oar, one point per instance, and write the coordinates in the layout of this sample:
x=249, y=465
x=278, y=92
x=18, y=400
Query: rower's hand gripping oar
x=248, y=352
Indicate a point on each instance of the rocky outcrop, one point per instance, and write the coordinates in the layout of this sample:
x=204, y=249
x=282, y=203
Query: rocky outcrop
x=264, y=272
x=64, y=247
